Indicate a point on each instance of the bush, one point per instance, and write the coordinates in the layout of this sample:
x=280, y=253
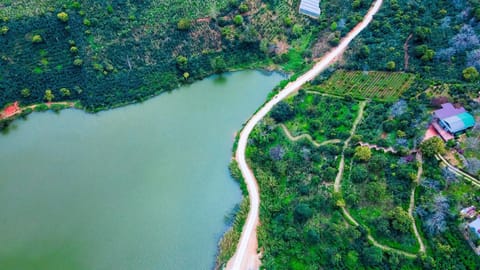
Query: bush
x=470, y=74
x=37, y=39
x=238, y=20
x=184, y=24
x=62, y=16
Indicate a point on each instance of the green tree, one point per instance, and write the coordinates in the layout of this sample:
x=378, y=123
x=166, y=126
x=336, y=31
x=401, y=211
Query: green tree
x=37, y=39
x=432, y=146
x=333, y=26
x=184, y=24
x=238, y=20
x=218, y=64
x=65, y=92
x=282, y=112
x=4, y=30
x=351, y=261
x=243, y=8
x=25, y=92
x=74, y=50
x=186, y=75
x=182, y=62
x=48, y=95
x=297, y=30
x=62, y=16
x=400, y=219
x=78, y=62
x=87, y=22
x=470, y=74
x=363, y=153
x=302, y=212
x=390, y=66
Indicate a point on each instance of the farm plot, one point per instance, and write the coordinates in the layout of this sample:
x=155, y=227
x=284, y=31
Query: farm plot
x=382, y=86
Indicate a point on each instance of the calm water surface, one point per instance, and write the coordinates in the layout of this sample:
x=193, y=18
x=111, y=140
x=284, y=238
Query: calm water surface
x=141, y=187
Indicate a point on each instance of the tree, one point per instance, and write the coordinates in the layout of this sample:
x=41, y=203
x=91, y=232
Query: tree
x=372, y=256
x=4, y=30
x=302, y=212
x=186, y=75
x=25, y=92
x=37, y=39
x=182, y=62
x=238, y=20
x=243, y=8
x=297, y=29
x=359, y=174
x=432, y=146
x=184, y=24
x=48, y=95
x=65, y=92
x=363, y=153
x=333, y=26
x=218, y=64
x=78, y=62
x=62, y=16
x=390, y=66
x=351, y=261
x=282, y=112
x=470, y=74
x=400, y=219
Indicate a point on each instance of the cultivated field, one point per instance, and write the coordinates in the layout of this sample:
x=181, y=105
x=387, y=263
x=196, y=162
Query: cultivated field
x=384, y=86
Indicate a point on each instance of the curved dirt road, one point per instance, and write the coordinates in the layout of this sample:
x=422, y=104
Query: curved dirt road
x=246, y=256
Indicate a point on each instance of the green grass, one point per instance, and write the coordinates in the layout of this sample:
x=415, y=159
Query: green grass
x=382, y=86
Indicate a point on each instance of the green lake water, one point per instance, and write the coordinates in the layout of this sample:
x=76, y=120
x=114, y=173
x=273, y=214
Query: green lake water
x=145, y=186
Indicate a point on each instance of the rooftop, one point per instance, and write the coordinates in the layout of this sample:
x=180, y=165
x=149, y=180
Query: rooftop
x=448, y=110
x=475, y=226
x=310, y=8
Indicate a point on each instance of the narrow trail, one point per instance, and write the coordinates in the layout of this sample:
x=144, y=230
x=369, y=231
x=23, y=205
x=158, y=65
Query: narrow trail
x=341, y=167
x=246, y=256
x=378, y=148
x=306, y=136
x=412, y=203
x=337, y=188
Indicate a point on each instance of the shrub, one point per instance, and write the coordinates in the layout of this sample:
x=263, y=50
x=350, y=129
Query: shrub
x=390, y=66
x=470, y=74
x=37, y=39
x=4, y=30
x=62, y=16
x=238, y=20
x=184, y=24
x=78, y=62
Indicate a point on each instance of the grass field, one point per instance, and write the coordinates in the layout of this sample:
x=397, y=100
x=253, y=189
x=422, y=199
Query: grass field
x=383, y=86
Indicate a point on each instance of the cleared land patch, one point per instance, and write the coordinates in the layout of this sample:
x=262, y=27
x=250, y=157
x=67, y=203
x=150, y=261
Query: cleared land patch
x=377, y=85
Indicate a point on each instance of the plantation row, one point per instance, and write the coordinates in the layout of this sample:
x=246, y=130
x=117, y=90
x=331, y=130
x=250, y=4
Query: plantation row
x=386, y=86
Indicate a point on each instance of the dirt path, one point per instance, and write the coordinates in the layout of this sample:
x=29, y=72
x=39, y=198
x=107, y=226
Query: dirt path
x=341, y=167
x=412, y=203
x=378, y=148
x=405, y=53
x=246, y=255
x=337, y=188
x=306, y=136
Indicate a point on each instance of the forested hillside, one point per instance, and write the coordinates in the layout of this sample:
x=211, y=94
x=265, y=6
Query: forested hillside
x=108, y=53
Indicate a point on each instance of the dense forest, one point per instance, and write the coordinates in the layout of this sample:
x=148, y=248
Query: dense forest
x=108, y=53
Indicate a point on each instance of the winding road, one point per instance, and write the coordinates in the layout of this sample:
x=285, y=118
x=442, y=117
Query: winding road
x=246, y=255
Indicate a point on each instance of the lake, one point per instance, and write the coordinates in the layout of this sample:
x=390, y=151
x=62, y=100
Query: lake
x=144, y=186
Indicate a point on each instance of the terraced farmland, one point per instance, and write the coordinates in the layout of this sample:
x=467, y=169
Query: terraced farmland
x=377, y=85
